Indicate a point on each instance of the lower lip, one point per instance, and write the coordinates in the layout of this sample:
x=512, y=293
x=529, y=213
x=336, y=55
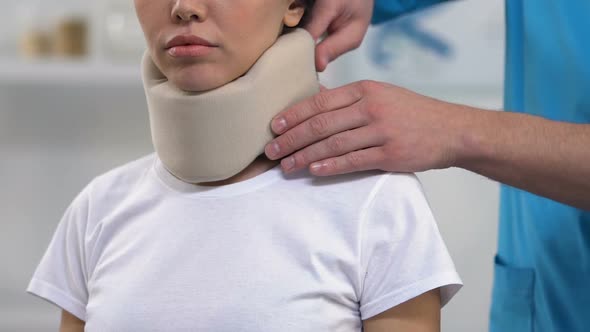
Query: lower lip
x=190, y=51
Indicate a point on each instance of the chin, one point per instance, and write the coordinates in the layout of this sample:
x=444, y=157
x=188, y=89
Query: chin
x=197, y=80
x=193, y=85
x=189, y=86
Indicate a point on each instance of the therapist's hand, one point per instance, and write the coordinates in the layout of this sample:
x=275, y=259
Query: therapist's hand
x=345, y=22
x=368, y=125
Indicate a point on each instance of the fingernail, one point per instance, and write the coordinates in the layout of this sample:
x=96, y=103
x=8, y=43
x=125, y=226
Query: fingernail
x=288, y=163
x=274, y=149
x=279, y=124
x=316, y=167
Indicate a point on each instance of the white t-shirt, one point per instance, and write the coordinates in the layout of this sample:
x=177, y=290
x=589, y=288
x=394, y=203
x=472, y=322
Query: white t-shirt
x=139, y=250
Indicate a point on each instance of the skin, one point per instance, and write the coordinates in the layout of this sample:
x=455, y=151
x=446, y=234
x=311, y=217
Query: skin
x=345, y=23
x=373, y=125
x=242, y=30
x=70, y=323
x=420, y=314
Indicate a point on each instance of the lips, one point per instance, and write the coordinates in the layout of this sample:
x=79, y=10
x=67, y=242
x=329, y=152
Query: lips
x=189, y=46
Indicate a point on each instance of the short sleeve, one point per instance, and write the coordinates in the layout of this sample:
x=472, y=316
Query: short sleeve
x=402, y=252
x=61, y=276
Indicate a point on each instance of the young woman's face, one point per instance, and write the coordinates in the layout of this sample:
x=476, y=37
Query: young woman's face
x=203, y=44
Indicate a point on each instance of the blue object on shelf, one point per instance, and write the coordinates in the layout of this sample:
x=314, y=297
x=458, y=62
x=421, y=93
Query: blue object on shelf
x=407, y=27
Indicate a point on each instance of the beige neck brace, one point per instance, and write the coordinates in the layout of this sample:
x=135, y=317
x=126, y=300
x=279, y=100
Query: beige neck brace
x=214, y=135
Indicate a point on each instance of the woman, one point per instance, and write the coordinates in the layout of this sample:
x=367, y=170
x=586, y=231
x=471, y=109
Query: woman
x=194, y=237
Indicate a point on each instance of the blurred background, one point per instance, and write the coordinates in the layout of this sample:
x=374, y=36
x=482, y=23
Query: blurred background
x=72, y=107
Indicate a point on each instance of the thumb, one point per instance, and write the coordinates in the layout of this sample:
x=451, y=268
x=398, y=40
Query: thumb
x=339, y=42
x=322, y=16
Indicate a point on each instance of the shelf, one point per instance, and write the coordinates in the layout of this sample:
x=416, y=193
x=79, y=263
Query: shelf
x=58, y=72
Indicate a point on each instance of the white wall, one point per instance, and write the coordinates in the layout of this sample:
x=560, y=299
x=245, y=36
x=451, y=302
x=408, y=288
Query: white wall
x=55, y=137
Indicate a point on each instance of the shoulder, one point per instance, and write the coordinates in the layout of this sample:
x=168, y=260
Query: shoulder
x=356, y=191
x=396, y=197
x=376, y=197
x=123, y=177
x=369, y=183
x=102, y=194
x=111, y=188
x=398, y=186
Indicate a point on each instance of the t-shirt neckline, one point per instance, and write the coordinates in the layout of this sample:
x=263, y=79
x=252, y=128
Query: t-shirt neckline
x=195, y=190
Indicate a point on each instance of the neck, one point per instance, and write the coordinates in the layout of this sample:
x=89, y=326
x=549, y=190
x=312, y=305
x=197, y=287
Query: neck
x=257, y=167
x=214, y=137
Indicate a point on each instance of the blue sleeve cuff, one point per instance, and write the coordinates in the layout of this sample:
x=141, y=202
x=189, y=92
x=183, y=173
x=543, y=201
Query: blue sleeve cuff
x=386, y=10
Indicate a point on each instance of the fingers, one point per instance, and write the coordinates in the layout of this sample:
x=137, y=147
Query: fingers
x=317, y=128
x=325, y=101
x=345, y=23
x=361, y=160
x=333, y=146
x=339, y=42
x=323, y=14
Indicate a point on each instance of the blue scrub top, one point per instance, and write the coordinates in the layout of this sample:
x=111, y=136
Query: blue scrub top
x=542, y=270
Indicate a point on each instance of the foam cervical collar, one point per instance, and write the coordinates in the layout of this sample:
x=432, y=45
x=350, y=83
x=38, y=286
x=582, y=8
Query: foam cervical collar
x=214, y=135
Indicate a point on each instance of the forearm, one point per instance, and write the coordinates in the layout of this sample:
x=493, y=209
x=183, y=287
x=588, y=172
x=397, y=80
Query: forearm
x=420, y=314
x=70, y=323
x=547, y=158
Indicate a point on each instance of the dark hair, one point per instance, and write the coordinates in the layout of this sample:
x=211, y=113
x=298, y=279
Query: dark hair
x=308, y=5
